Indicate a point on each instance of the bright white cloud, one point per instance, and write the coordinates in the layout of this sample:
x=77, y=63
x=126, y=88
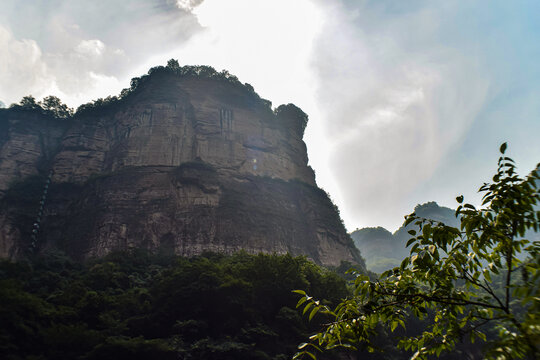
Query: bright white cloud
x=391, y=111
x=188, y=5
x=22, y=69
x=82, y=51
x=72, y=75
x=267, y=44
x=94, y=48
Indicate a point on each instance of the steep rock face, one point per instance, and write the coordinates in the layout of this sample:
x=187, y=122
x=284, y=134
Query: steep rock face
x=195, y=208
x=182, y=165
x=28, y=141
x=171, y=122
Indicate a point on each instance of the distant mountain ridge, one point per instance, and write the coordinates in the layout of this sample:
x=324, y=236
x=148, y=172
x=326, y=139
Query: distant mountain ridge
x=383, y=250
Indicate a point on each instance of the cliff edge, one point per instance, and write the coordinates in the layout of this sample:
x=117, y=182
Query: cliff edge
x=187, y=160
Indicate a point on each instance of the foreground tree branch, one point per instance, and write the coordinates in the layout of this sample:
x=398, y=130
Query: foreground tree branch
x=467, y=279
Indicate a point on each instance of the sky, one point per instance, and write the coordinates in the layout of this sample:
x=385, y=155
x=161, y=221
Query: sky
x=408, y=100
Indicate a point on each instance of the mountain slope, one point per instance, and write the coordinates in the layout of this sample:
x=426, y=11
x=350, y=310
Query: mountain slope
x=384, y=250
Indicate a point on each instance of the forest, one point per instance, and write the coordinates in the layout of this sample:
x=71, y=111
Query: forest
x=137, y=305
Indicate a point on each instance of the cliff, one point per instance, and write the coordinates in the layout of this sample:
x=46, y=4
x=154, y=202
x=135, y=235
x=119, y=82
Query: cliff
x=180, y=163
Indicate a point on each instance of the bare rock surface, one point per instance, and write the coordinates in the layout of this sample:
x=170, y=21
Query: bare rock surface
x=28, y=142
x=181, y=165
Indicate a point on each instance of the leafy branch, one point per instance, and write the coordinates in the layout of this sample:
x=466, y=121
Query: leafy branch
x=465, y=278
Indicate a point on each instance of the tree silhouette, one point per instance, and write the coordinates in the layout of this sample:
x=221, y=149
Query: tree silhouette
x=29, y=102
x=54, y=106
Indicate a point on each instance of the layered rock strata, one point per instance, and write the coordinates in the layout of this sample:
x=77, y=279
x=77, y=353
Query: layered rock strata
x=181, y=165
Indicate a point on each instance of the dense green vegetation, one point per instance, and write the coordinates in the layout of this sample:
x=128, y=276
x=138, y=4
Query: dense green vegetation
x=142, y=306
x=473, y=281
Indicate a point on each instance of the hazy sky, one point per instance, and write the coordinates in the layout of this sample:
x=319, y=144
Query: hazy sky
x=408, y=100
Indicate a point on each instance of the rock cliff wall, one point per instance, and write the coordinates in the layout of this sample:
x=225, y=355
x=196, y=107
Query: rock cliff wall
x=182, y=164
x=28, y=142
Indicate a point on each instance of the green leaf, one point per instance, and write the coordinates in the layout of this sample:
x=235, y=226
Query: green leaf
x=459, y=199
x=309, y=354
x=306, y=309
x=313, y=312
x=502, y=149
x=481, y=335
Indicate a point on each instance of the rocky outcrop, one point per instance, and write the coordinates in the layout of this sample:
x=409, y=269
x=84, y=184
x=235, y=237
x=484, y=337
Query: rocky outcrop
x=28, y=142
x=182, y=164
x=170, y=122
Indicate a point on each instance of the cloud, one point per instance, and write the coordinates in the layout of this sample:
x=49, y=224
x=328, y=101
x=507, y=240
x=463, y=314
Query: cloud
x=80, y=51
x=267, y=43
x=395, y=101
x=22, y=69
x=74, y=75
x=92, y=48
x=188, y=5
